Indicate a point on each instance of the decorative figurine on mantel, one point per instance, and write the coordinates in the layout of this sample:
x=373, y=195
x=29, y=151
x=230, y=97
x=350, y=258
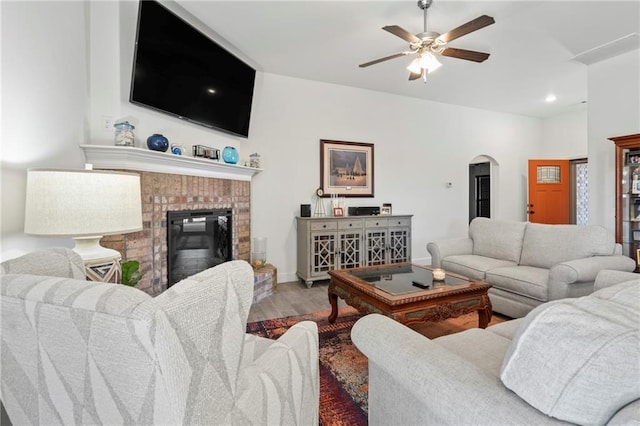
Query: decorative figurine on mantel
x=319, y=210
x=124, y=134
x=157, y=142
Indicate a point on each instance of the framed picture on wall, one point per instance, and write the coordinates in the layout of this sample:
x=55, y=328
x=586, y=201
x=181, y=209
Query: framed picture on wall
x=633, y=158
x=346, y=168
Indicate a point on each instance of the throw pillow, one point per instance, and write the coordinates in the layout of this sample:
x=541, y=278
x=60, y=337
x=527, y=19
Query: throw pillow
x=577, y=359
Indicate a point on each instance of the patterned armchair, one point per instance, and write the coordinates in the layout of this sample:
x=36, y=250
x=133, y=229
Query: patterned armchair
x=82, y=352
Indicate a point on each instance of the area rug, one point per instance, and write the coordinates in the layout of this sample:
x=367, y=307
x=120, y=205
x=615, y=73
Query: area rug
x=343, y=369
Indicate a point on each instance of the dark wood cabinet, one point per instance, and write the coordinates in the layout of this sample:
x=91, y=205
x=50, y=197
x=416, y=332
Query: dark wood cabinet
x=628, y=193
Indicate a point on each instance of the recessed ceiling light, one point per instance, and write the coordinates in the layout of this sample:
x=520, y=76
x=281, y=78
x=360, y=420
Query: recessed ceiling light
x=212, y=91
x=550, y=98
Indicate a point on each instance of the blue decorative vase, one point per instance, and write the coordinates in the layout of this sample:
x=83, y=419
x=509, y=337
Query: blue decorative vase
x=157, y=142
x=230, y=155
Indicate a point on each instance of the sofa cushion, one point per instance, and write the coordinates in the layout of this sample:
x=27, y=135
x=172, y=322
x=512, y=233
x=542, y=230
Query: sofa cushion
x=523, y=280
x=499, y=239
x=577, y=359
x=506, y=329
x=545, y=245
x=473, y=266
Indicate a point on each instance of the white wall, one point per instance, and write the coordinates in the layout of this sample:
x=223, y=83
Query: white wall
x=419, y=145
x=614, y=110
x=44, y=104
x=565, y=136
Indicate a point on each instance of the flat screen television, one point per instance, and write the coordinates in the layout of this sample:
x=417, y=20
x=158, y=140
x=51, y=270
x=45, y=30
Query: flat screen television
x=180, y=71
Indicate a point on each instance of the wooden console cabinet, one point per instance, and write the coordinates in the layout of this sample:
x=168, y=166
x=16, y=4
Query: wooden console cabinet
x=328, y=243
x=628, y=193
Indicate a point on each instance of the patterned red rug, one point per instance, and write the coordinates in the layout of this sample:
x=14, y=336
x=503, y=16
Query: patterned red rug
x=343, y=369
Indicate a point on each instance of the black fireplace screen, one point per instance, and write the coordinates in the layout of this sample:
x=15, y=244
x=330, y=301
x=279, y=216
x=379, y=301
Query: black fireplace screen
x=196, y=240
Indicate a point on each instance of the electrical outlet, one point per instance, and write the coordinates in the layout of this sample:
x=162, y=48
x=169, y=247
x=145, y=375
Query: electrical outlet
x=107, y=122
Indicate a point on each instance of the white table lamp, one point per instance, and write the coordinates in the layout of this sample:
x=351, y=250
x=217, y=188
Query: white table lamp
x=85, y=205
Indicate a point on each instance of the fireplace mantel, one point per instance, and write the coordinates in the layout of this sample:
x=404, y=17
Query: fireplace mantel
x=130, y=158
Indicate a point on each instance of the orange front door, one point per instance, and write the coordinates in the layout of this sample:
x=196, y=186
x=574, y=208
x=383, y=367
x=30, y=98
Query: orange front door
x=549, y=192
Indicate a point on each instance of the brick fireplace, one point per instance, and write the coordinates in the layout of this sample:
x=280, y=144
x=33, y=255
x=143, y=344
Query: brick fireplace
x=169, y=183
x=163, y=192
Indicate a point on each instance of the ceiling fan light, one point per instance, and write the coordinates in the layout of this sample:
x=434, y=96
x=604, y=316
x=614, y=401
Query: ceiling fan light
x=430, y=63
x=415, y=66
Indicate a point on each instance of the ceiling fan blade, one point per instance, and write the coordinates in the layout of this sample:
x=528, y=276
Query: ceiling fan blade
x=386, y=58
x=402, y=33
x=468, y=55
x=469, y=27
x=414, y=76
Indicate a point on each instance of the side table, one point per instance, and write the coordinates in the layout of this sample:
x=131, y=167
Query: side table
x=265, y=281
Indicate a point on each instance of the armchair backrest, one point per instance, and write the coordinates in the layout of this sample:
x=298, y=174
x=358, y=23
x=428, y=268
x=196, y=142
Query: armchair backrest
x=52, y=262
x=84, y=352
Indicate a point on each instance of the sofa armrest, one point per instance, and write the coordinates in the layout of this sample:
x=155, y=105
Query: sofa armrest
x=283, y=382
x=414, y=380
x=586, y=269
x=565, y=277
x=441, y=249
x=607, y=278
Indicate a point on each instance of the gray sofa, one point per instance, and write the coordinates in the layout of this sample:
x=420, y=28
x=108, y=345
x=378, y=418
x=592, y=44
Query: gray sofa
x=80, y=352
x=568, y=361
x=528, y=263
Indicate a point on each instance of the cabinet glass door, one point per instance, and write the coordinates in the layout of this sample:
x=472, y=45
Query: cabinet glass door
x=399, y=245
x=376, y=247
x=323, y=252
x=350, y=254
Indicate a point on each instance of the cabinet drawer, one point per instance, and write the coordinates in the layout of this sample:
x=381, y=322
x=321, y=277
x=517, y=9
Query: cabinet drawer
x=350, y=224
x=377, y=223
x=401, y=221
x=324, y=225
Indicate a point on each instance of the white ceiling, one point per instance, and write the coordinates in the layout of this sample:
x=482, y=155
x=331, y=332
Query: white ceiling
x=532, y=46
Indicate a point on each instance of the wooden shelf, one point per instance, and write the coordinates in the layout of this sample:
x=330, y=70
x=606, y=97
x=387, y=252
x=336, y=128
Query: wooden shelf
x=145, y=160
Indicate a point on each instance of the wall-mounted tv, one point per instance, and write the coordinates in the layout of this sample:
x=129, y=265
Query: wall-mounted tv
x=179, y=71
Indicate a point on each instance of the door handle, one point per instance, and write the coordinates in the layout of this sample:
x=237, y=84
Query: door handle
x=530, y=212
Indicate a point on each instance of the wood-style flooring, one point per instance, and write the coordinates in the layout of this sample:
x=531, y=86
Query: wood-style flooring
x=293, y=298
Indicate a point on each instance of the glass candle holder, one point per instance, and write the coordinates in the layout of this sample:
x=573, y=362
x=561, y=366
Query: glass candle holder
x=439, y=274
x=259, y=252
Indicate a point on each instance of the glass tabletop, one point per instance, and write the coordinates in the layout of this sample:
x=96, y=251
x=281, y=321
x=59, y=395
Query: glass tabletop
x=402, y=279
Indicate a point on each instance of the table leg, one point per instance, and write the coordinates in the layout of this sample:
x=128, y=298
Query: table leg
x=333, y=299
x=484, y=315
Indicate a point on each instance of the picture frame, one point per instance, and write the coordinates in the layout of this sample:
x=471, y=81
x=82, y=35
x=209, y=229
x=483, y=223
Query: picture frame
x=385, y=210
x=338, y=211
x=346, y=168
x=633, y=158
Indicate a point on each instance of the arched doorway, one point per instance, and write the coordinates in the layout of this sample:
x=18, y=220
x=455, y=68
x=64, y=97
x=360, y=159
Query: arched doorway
x=483, y=194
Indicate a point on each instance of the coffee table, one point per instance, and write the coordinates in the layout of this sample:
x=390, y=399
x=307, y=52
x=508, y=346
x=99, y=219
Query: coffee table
x=408, y=293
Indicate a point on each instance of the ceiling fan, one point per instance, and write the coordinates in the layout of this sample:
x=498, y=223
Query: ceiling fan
x=426, y=43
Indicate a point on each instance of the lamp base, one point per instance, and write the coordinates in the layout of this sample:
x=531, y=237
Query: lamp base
x=100, y=263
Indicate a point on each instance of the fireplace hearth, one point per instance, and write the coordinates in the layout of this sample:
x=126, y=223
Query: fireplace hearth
x=197, y=240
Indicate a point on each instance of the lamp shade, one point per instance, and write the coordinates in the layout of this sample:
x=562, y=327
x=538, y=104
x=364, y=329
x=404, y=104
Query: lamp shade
x=82, y=203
